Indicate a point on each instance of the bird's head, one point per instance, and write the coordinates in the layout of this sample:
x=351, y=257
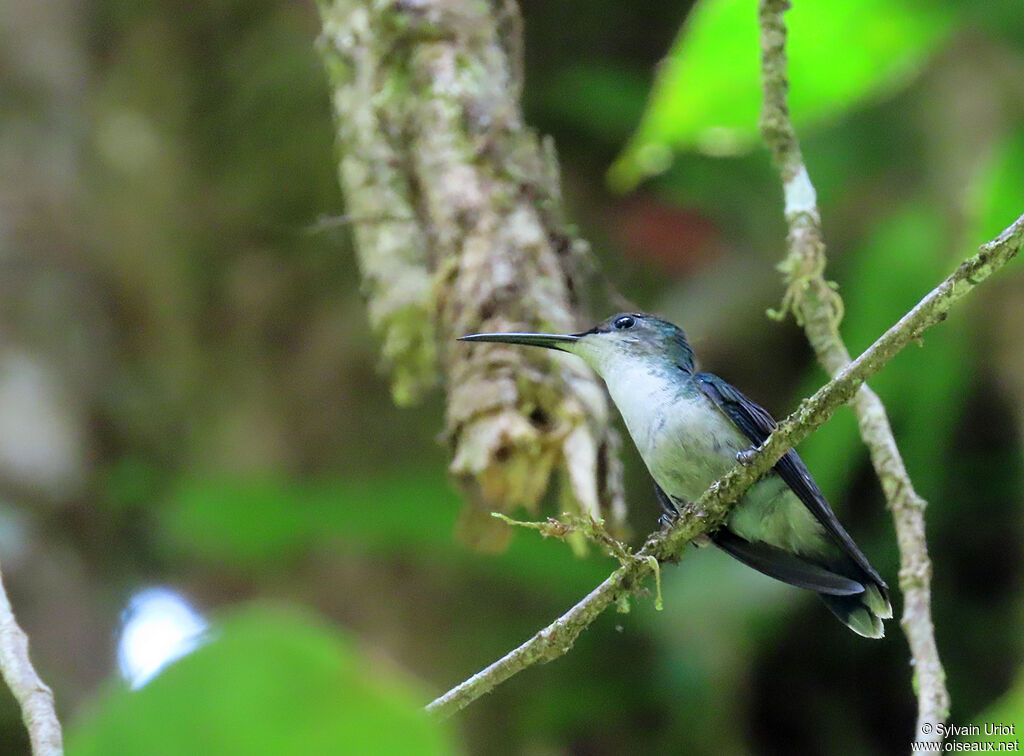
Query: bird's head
x=628, y=337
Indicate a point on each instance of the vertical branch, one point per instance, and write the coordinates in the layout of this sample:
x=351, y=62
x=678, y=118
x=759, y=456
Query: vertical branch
x=31, y=693
x=818, y=308
x=429, y=129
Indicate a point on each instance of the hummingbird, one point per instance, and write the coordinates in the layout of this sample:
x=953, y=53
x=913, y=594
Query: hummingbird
x=691, y=429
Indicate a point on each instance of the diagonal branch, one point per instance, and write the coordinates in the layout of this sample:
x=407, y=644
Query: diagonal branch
x=818, y=308
x=31, y=693
x=710, y=510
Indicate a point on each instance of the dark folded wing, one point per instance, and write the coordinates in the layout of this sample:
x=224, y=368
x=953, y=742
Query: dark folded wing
x=756, y=424
x=781, y=565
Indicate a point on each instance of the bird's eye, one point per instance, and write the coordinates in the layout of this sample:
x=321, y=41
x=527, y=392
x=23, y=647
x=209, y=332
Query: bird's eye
x=624, y=322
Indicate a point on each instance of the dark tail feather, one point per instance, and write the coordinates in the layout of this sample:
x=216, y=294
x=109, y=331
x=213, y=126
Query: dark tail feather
x=784, y=566
x=863, y=613
x=852, y=594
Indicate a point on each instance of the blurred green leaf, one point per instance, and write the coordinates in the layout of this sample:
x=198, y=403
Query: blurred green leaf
x=253, y=524
x=247, y=521
x=270, y=681
x=1007, y=712
x=602, y=101
x=997, y=19
x=717, y=615
x=130, y=482
x=997, y=194
x=922, y=389
x=708, y=93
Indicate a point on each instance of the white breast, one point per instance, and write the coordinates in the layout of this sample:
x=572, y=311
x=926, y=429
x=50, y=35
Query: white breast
x=685, y=441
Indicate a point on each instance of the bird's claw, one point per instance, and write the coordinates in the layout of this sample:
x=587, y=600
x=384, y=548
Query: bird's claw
x=746, y=457
x=667, y=520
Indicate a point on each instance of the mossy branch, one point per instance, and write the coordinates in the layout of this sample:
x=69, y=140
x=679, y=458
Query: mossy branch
x=710, y=510
x=455, y=210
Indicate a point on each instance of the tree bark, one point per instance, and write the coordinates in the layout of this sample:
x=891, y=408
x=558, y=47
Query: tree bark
x=459, y=228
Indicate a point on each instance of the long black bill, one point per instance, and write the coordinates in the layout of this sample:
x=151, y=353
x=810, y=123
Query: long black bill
x=547, y=340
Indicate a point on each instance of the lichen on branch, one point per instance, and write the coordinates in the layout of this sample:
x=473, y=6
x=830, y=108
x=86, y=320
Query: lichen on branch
x=425, y=94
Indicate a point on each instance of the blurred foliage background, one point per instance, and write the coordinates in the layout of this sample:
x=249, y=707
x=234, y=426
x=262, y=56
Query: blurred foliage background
x=189, y=400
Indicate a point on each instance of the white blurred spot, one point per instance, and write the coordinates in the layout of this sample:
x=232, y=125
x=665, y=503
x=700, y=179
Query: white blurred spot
x=158, y=627
x=800, y=194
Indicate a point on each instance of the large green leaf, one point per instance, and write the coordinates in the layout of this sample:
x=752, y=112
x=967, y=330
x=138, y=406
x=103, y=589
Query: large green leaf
x=270, y=681
x=708, y=92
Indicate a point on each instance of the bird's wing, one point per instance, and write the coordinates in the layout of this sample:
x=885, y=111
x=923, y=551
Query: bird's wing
x=781, y=565
x=770, y=560
x=756, y=424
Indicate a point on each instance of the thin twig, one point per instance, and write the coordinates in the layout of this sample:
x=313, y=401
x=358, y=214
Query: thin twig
x=710, y=510
x=816, y=305
x=31, y=693
x=331, y=222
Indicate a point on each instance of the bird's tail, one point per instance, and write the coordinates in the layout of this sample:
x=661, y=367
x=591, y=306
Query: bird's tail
x=862, y=612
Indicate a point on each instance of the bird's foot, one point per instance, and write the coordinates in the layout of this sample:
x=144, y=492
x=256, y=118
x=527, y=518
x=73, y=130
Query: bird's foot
x=667, y=520
x=746, y=457
x=668, y=506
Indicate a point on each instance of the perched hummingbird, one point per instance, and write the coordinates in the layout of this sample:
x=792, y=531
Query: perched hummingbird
x=689, y=428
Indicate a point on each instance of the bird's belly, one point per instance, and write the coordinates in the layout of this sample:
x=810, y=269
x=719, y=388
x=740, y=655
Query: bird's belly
x=772, y=513
x=691, y=448
x=687, y=444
